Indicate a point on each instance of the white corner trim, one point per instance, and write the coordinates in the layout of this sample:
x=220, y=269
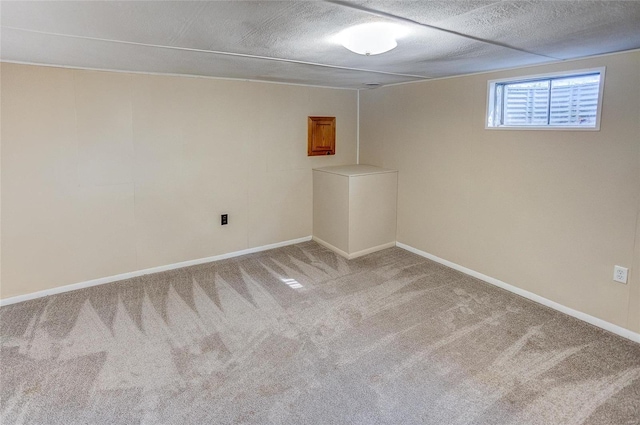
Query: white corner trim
x=618, y=330
x=353, y=254
x=370, y=250
x=129, y=275
x=331, y=247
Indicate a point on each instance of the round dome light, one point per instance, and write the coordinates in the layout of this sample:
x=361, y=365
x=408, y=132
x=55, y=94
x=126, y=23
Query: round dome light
x=372, y=38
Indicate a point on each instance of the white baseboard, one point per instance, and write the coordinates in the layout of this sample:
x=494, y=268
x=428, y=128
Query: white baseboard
x=122, y=276
x=355, y=254
x=370, y=250
x=331, y=247
x=618, y=330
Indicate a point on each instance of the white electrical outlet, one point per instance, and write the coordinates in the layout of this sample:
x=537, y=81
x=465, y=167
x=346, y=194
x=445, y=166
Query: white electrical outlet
x=620, y=274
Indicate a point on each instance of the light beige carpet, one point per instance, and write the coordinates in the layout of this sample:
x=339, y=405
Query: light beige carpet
x=298, y=335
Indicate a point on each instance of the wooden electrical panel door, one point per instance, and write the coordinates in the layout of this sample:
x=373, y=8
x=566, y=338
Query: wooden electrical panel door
x=322, y=136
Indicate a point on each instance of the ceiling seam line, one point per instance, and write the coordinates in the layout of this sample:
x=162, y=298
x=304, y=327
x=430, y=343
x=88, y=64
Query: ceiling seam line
x=433, y=27
x=171, y=74
x=216, y=52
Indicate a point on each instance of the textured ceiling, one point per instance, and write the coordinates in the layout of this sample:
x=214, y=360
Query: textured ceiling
x=291, y=41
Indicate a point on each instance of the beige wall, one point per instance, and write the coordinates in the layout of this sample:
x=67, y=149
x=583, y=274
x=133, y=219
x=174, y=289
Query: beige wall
x=548, y=211
x=105, y=173
x=354, y=209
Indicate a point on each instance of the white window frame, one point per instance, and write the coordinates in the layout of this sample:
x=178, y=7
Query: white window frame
x=491, y=85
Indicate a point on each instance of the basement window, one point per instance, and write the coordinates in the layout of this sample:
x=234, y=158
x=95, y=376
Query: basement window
x=570, y=100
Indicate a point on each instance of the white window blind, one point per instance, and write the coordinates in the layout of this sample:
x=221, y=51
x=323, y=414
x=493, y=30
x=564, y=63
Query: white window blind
x=558, y=101
x=574, y=101
x=526, y=103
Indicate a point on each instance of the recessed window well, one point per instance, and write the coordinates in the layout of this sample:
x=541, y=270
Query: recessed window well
x=372, y=38
x=569, y=100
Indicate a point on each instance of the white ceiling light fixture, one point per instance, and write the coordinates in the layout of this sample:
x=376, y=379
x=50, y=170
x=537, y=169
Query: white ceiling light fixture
x=372, y=38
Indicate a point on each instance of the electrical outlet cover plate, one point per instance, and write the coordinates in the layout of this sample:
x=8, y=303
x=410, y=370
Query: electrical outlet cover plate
x=620, y=274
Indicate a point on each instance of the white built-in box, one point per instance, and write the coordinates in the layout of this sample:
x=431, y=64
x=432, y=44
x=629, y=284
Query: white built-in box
x=354, y=208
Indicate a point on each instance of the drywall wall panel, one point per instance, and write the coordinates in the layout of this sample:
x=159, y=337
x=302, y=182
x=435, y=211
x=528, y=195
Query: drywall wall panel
x=282, y=185
x=104, y=180
x=104, y=128
x=372, y=210
x=331, y=209
x=106, y=173
x=548, y=211
x=40, y=228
